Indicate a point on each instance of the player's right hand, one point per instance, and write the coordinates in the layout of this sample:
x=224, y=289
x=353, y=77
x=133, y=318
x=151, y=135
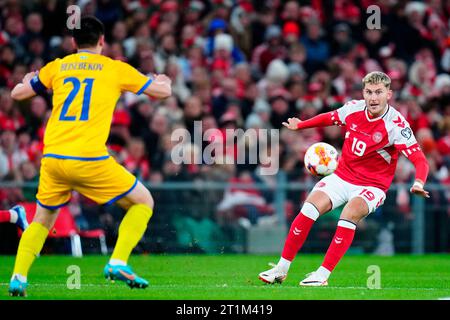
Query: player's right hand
x=292, y=123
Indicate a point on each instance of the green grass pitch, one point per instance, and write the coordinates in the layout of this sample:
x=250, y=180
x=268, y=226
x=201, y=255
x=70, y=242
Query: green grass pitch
x=235, y=277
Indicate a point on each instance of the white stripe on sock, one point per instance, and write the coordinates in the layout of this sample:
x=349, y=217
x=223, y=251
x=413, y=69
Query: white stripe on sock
x=13, y=216
x=346, y=224
x=117, y=262
x=323, y=273
x=284, y=265
x=310, y=211
x=20, y=277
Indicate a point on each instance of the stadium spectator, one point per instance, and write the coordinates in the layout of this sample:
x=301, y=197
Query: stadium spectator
x=223, y=96
x=28, y=174
x=135, y=159
x=272, y=48
x=281, y=108
x=10, y=149
x=342, y=41
x=241, y=29
x=241, y=207
x=317, y=49
x=291, y=33
x=157, y=127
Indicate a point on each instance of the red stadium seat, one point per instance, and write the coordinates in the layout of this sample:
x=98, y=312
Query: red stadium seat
x=65, y=227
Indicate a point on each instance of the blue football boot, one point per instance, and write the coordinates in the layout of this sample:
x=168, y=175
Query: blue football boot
x=17, y=288
x=22, y=221
x=125, y=274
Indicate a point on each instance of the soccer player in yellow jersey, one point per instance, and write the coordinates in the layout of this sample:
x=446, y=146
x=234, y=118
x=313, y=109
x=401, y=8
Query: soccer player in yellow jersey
x=86, y=86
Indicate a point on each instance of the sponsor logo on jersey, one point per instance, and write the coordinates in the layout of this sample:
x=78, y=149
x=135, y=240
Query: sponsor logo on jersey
x=406, y=133
x=377, y=137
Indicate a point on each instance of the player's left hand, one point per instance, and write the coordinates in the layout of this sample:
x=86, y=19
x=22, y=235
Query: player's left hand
x=27, y=78
x=418, y=189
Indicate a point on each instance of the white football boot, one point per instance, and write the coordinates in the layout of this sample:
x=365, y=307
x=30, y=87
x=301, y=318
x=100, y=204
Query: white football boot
x=313, y=279
x=274, y=275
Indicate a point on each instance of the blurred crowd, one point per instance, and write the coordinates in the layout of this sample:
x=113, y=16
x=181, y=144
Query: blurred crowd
x=234, y=64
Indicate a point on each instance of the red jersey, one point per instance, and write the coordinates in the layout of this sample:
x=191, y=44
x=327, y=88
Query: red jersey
x=371, y=146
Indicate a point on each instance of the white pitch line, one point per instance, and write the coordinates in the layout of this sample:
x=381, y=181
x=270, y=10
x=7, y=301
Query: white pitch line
x=202, y=286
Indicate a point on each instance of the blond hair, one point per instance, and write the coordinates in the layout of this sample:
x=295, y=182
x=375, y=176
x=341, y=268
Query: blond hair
x=376, y=77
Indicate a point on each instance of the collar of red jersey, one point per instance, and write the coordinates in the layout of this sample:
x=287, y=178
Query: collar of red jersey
x=377, y=118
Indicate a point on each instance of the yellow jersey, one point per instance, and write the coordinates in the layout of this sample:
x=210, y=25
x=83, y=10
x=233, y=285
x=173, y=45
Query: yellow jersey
x=86, y=87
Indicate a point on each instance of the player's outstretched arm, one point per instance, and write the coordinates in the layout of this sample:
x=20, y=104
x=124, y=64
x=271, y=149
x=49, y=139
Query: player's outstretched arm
x=161, y=87
x=321, y=120
x=420, y=163
x=24, y=90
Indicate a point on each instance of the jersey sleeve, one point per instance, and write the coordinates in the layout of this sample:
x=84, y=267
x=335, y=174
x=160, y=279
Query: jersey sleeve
x=403, y=138
x=344, y=111
x=131, y=79
x=405, y=142
x=43, y=80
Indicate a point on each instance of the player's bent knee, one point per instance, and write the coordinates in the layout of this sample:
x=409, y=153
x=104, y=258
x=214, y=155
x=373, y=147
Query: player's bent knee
x=355, y=210
x=141, y=195
x=46, y=217
x=320, y=201
x=148, y=200
x=354, y=217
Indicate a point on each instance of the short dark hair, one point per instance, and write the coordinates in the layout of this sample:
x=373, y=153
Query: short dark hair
x=90, y=31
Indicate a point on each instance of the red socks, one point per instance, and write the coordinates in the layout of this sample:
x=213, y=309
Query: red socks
x=299, y=230
x=5, y=216
x=342, y=240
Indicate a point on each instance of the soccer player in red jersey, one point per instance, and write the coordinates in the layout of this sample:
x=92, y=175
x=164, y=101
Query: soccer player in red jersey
x=375, y=135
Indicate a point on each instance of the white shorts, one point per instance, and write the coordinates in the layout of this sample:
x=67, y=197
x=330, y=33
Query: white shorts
x=341, y=192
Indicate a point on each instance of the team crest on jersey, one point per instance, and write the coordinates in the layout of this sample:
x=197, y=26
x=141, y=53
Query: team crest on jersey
x=406, y=133
x=377, y=137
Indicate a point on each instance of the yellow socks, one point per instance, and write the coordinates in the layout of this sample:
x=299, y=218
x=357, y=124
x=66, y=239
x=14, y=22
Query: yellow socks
x=131, y=230
x=30, y=245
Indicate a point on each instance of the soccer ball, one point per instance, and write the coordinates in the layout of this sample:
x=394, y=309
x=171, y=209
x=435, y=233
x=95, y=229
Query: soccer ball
x=321, y=159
